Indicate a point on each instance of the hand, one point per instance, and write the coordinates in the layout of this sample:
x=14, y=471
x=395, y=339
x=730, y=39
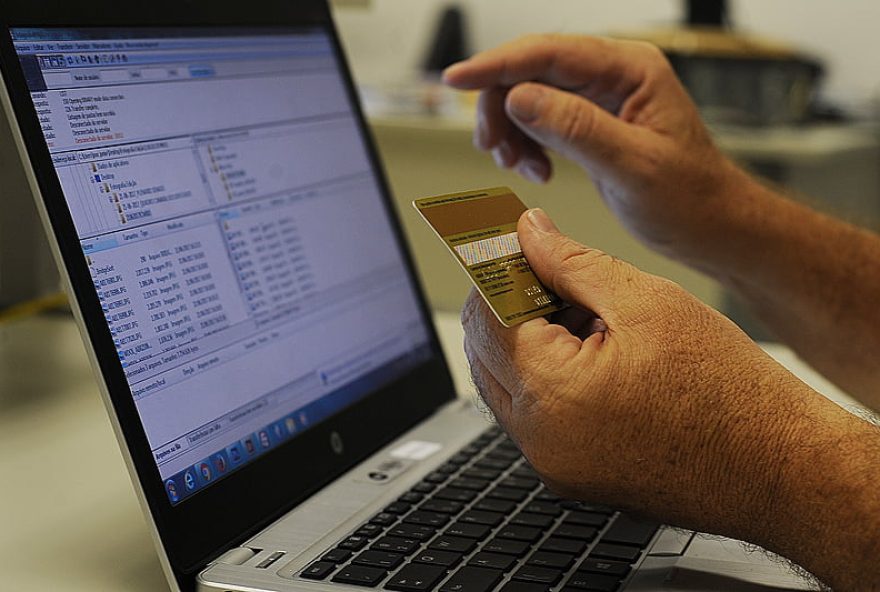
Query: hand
x=641, y=396
x=617, y=109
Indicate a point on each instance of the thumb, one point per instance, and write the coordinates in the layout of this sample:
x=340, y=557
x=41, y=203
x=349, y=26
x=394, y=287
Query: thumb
x=571, y=125
x=582, y=276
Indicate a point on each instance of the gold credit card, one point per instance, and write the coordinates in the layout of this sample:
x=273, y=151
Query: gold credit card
x=479, y=228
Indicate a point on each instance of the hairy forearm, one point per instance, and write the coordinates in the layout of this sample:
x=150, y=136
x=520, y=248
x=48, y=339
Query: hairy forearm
x=825, y=514
x=812, y=279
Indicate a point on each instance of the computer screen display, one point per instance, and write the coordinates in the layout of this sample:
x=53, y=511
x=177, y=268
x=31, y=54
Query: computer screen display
x=234, y=229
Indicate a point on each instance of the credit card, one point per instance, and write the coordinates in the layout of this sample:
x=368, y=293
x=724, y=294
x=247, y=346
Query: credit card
x=479, y=229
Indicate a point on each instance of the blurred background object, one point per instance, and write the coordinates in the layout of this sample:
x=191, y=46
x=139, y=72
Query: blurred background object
x=736, y=78
x=449, y=43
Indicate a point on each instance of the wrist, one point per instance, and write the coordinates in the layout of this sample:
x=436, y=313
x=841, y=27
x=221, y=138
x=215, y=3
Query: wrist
x=719, y=228
x=823, y=507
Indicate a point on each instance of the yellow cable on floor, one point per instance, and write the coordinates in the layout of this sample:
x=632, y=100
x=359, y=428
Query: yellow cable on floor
x=33, y=307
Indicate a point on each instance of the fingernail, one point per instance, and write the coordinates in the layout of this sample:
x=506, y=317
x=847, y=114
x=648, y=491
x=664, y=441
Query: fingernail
x=524, y=102
x=533, y=172
x=450, y=70
x=481, y=136
x=541, y=220
x=502, y=155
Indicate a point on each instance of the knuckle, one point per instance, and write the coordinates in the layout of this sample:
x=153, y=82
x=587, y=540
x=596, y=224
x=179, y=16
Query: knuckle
x=577, y=123
x=470, y=309
x=575, y=259
x=652, y=53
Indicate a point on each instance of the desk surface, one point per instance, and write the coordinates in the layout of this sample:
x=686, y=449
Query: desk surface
x=68, y=514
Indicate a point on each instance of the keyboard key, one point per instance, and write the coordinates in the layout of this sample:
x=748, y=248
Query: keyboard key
x=587, y=519
x=426, y=518
x=505, y=493
x=504, y=454
x=383, y=519
x=455, y=495
x=546, y=508
x=528, y=519
x=469, y=531
x=424, y=487
x=520, y=533
x=460, y=458
x=495, y=505
x=468, y=483
x=472, y=449
x=398, y=508
x=572, y=505
x=551, y=560
x=436, y=477
x=442, y=506
x=541, y=575
x=585, y=507
x=575, y=531
x=354, y=543
x=610, y=568
x=454, y=544
x=618, y=552
x=488, y=474
x=472, y=579
x=411, y=497
x=396, y=545
x=492, y=463
x=318, y=570
x=481, y=517
x=448, y=468
x=514, y=586
x=493, y=561
x=525, y=471
x=369, y=530
x=416, y=578
x=545, y=495
x=435, y=557
x=359, y=575
x=336, y=556
x=507, y=546
x=559, y=545
x=383, y=559
x=519, y=483
x=627, y=531
x=419, y=532
x=586, y=581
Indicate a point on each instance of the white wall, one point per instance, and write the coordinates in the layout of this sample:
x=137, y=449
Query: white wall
x=387, y=40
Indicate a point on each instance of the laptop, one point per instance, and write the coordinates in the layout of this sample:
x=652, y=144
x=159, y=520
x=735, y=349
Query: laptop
x=236, y=266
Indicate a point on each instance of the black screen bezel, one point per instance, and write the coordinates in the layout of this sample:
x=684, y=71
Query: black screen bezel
x=200, y=528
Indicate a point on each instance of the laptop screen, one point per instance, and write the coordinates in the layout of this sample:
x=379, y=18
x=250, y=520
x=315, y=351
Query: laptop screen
x=234, y=229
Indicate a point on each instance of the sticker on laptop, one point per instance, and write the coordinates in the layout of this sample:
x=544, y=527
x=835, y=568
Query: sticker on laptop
x=479, y=229
x=416, y=450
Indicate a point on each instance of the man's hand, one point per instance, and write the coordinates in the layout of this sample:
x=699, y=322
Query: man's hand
x=640, y=396
x=617, y=109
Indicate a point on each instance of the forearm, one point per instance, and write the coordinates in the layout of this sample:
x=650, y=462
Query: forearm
x=826, y=511
x=814, y=280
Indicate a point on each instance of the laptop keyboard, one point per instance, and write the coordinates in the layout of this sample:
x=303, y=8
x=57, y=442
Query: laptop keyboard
x=484, y=521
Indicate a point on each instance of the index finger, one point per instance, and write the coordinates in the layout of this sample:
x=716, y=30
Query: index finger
x=519, y=354
x=566, y=61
